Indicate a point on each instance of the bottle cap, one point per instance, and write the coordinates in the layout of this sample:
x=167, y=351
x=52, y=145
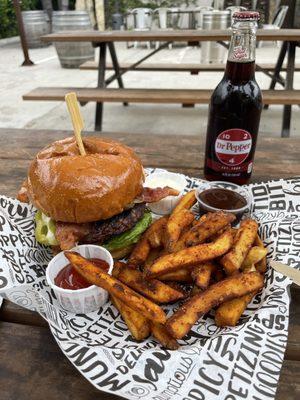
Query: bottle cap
x=246, y=16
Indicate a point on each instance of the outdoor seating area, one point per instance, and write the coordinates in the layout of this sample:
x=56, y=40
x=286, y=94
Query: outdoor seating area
x=149, y=202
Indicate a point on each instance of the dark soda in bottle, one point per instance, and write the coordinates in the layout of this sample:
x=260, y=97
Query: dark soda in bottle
x=235, y=108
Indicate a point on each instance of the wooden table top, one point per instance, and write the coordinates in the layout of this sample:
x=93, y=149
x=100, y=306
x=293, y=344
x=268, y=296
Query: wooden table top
x=168, y=35
x=31, y=363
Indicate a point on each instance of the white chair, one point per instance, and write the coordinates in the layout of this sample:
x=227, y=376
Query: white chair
x=278, y=21
x=142, y=21
x=163, y=17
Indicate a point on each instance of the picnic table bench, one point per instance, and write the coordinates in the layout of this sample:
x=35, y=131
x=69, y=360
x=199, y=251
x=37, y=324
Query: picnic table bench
x=105, y=41
x=32, y=365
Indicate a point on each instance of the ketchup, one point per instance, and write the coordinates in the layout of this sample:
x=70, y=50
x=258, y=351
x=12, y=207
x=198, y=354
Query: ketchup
x=223, y=199
x=69, y=278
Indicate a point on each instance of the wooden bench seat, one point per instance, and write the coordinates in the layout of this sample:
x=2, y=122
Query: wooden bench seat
x=192, y=68
x=171, y=96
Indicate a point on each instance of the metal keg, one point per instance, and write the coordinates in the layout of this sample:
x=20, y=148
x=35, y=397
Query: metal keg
x=72, y=54
x=212, y=52
x=36, y=24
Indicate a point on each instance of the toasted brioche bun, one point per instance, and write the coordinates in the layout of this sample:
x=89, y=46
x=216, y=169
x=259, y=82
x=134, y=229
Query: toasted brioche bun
x=69, y=187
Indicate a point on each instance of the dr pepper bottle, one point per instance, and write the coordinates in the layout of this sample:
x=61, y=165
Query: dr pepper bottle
x=235, y=108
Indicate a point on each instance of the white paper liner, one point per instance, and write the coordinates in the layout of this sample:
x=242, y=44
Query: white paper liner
x=212, y=362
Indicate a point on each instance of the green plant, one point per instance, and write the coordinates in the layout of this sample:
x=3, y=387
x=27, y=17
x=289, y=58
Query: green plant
x=8, y=21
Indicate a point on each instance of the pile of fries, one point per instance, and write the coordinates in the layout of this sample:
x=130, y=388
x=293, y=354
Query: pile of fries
x=204, y=262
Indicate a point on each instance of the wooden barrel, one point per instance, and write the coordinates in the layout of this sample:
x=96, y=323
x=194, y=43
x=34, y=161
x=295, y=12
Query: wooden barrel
x=36, y=24
x=72, y=54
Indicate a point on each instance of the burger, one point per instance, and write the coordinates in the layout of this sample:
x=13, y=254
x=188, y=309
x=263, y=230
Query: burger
x=94, y=198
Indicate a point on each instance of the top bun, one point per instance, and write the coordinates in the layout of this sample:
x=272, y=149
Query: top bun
x=69, y=187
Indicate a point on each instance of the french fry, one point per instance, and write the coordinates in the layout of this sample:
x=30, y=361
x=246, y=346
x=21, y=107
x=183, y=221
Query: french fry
x=140, y=251
x=118, y=265
x=153, y=289
x=209, y=226
x=116, y=288
x=244, y=239
x=180, y=323
x=261, y=266
x=195, y=290
x=254, y=255
x=229, y=313
x=175, y=225
x=138, y=325
x=152, y=256
x=218, y=274
x=202, y=274
x=156, y=231
x=162, y=335
x=190, y=256
x=186, y=202
x=181, y=275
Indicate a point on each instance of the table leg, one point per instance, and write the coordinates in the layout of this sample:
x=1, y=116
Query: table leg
x=116, y=66
x=287, y=110
x=278, y=67
x=101, y=84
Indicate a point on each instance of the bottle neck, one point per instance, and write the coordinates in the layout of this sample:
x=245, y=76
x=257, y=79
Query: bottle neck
x=241, y=56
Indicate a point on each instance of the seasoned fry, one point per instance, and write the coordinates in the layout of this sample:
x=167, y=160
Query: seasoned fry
x=138, y=325
x=175, y=225
x=152, y=256
x=229, y=313
x=234, y=286
x=218, y=274
x=261, y=266
x=162, y=335
x=186, y=202
x=244, y=239
x=115, y=287
x=207, y=227
x=140, y=251
x=202, y=274
x=118, y=265
x=181, y=275
x=156, y=231
x=195, y=290
x=191, y=256
x=118, y=254
x=155, y=290
x=255, y=255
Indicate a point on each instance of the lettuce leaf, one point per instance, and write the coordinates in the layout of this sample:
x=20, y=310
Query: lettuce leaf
x=129, y=237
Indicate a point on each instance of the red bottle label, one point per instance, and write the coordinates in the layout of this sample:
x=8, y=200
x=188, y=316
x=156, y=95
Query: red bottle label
x=233, y=146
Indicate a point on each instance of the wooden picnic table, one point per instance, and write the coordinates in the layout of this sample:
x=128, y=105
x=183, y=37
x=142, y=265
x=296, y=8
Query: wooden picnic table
x=105, y=41
x=183, y=35
x=32, y=367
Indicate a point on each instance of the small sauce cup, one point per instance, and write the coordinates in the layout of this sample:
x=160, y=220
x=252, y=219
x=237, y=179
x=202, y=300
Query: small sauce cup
x=80, y=301
x=239, y=191
x=161, y=179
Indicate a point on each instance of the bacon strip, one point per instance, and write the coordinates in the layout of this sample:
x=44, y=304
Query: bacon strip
x=68, y=234
x=151, y=195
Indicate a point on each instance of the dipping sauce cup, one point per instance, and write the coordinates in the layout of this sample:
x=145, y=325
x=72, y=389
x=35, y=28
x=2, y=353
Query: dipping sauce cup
x=79, y=301
x=223, y=196
x=161, y=179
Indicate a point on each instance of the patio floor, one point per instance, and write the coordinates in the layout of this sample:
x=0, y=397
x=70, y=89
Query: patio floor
x=149, y=119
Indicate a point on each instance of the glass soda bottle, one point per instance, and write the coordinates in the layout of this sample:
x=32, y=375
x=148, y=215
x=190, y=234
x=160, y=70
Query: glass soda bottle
x=235, y=108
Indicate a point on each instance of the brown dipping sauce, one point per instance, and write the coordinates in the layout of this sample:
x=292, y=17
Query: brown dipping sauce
x=223, y=199
x=69, y=278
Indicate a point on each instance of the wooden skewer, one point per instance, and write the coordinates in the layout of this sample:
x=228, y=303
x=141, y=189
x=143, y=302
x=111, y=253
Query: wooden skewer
x=77, y=121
